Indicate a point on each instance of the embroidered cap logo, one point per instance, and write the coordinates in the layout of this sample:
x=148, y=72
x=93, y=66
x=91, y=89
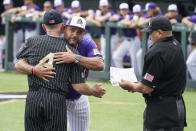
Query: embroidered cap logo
x=52, y=21
x=79, y=21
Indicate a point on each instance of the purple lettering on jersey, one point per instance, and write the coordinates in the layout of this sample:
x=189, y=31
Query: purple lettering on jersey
x=192, y=19
x=87, y=48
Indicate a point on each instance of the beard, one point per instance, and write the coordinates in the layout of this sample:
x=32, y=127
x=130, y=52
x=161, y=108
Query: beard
x=73, y=41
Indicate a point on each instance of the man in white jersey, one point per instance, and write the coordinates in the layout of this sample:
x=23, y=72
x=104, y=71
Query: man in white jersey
x=78, y=111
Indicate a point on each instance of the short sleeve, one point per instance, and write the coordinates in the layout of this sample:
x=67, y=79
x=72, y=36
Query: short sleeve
x=131, y=17
x=112, y=13
x=153, y=71
x=120, y=17
x=93, y=50
x=37, y=8
x=24, y=51
x=76, y=74
x=192, y=18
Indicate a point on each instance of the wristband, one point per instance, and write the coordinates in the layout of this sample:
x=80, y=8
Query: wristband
x=33, y=70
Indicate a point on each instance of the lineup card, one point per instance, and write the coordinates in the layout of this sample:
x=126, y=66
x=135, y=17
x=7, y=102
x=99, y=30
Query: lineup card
x=118, y=74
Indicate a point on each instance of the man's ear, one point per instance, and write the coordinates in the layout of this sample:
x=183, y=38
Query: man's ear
x=62, y=27
x=160, y=32
x=44, y=27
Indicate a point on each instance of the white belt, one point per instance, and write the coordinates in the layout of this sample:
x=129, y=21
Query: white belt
x=129, y=38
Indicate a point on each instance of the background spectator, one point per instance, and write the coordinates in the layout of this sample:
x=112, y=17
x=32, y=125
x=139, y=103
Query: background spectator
x=173, y=15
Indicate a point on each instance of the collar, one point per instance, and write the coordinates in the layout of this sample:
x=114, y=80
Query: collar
x=166, y=39
x=54, y=36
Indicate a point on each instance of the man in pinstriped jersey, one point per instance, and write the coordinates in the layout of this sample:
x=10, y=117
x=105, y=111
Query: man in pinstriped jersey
x=77, y=105
x=45, y=104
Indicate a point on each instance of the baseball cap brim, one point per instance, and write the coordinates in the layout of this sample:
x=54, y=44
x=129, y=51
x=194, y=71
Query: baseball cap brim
x=76, y=27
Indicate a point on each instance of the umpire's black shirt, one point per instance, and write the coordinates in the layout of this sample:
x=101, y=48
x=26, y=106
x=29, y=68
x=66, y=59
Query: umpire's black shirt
x=164, y=71
x=37, y=48
x=164, y=68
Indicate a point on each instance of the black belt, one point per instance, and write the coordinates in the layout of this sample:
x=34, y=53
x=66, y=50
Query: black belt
x=154, y=98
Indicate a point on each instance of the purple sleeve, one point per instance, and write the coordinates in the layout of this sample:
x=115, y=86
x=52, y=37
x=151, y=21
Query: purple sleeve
x=69, y=10
x=120, y=17
x=159, y=15
x=93, y=50
x=131, y=16
x=37, y=8
x=112, y=12
x=145, y=16
x=25, y=51
x=192, y=18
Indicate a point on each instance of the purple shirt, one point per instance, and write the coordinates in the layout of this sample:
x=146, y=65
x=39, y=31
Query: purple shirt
x=192, y=19
x=113, y=30
x=31, y=26
x=128, y=32
x=88, y=48
x=16, y=25
x=68, y=10
x=146, y=15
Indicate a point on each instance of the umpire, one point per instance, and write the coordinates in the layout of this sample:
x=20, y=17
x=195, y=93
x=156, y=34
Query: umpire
x=45, y=103
x=164, y=79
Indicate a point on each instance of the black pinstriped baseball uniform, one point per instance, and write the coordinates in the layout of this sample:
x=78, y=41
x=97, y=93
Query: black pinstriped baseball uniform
x=46, y=101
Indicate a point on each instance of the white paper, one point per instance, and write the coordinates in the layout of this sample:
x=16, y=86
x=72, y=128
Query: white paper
x=118, y=74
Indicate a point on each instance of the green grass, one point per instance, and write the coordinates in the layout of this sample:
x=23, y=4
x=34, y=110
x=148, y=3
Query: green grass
x=13, y=82
x=118, y=110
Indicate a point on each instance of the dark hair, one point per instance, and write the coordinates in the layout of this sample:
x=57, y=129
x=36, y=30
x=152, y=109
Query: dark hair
x=156, y=11
x=34, y=1
x=48, y=1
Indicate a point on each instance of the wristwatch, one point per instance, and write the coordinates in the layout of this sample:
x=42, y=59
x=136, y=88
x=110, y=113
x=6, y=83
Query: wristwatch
x=77, y=58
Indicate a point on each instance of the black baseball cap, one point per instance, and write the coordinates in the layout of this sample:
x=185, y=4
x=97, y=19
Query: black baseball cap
x=158, y=23
x=52, y=17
